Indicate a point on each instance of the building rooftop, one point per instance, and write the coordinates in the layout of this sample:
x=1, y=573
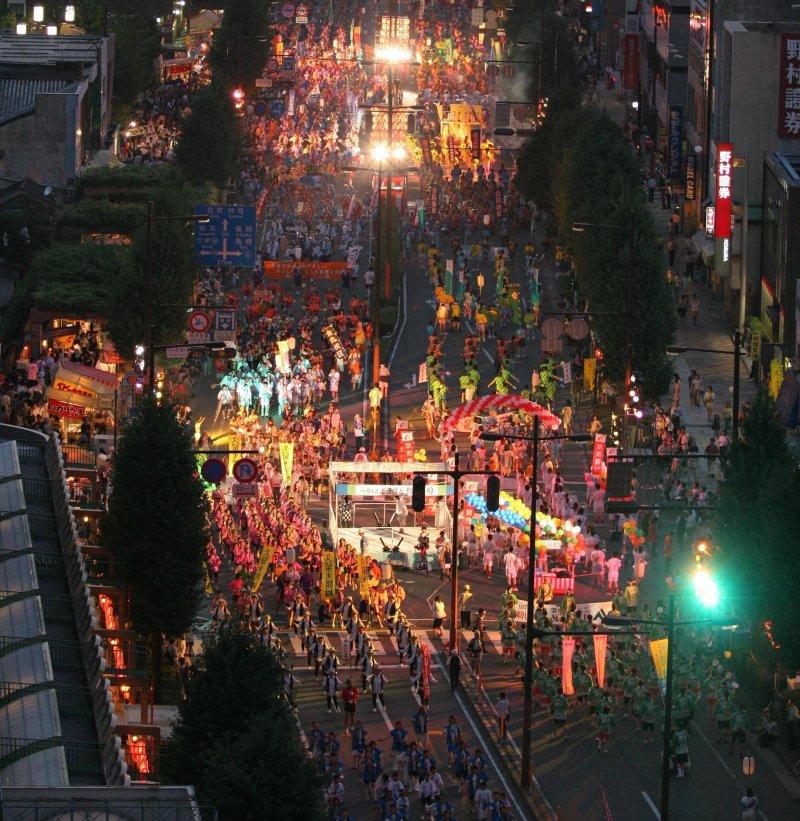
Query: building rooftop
x=19, y=95
x=44, y=50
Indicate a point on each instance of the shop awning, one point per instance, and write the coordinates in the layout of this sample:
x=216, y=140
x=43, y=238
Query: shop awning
x=76, y=388
x=702, y=245
x=109, y=355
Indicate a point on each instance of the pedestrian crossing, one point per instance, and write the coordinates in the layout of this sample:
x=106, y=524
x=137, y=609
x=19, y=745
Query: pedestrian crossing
x=384, y=644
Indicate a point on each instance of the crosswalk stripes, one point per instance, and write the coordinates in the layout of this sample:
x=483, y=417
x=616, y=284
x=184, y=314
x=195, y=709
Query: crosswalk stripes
x=385, y=645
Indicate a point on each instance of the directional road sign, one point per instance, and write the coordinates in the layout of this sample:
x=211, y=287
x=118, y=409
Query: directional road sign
x=277, y=109
x=229, y=236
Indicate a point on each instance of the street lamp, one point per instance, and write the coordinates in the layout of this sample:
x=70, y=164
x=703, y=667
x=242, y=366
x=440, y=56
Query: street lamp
x=708, y=595
x=674, y=350
x=527, y=710
x=69, y=14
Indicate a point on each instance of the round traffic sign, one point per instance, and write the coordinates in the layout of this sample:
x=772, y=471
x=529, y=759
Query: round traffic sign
x=245, y=471
x=272, y=64
x=213, y=471
x=277, y=109
x=287, y=10
x=199, y=322
x=260, y=109
x=302, y=10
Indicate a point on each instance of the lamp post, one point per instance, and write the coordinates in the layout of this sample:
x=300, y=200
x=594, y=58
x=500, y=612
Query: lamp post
x=736, y=353
x=527, y=709
x=671, y=624
x=456, y=476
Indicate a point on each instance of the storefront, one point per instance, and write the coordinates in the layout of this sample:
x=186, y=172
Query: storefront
x=78, y=392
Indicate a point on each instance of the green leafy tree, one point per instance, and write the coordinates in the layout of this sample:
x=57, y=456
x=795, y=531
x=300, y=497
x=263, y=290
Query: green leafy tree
x=138, y=43
x=757, y=520
x=241, y=45
x=157, y=528
x=210, y=144
x=236, y=739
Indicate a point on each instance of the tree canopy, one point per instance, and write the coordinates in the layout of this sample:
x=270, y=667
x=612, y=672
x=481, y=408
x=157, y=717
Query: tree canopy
x=757, y=518
x=210, y=143
x=237, y=741
x=239, y=51
x=157, y=528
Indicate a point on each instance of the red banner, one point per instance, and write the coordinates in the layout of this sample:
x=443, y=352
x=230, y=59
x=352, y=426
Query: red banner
x=598, y=454
x=425, y=675
x=451, y=148
x=789, y=87
x=65, y=409
x=318, y=270
x=405, y=445
x=630, y=51
x=475, y=140
x=567, y=650
x=724, y=201
x=600, y=644
x=425, y=145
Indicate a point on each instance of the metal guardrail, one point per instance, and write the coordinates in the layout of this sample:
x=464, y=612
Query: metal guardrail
x=79, y=456
x=43, y=526
x=49, y=565
x=30, y=453
x=90, y=809
x=72, y=700
x=15, y=749
x=35, y=489
x=10, y=596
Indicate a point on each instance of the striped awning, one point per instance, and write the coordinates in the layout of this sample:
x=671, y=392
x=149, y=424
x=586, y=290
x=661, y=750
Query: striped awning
x=103, y=378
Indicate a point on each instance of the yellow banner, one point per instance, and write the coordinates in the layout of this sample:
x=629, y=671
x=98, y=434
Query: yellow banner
x=234, y=443
x=364, y=563
x=589, y=373
x=328, y=583
x=263, y=563
x=658, y=650
x=775, y=377
x=287, y=461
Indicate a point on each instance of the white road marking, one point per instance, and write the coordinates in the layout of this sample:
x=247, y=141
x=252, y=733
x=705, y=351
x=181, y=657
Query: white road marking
x=386, y=719
x=650, y=804
x=484, y=743
x=716, y=754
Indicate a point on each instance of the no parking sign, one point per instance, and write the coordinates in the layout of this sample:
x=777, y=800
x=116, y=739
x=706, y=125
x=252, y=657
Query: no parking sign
x=245, y=471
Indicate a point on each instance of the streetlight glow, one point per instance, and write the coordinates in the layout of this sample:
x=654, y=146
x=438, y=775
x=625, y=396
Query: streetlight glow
x=392, y=54
x=706, y=588
x=69, y=14
x=52, y=31
x=398, y=152
x=22, y=28
x=38, y=14
x=380, y=152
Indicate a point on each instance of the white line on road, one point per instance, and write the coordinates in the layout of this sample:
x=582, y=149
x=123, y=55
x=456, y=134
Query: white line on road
x=650, y=804
x=386, y=719
x=480, y=736
x=716, y=754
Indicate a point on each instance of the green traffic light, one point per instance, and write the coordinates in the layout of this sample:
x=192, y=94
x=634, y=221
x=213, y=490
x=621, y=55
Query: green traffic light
x=705, y=588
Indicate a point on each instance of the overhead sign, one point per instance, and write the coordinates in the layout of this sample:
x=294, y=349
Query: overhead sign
x=315, y=270
x=431, y=489
x=277, y=108
x=225, y=326
x=262, y=82
x=724, y=209
x=178, y=352
x=214, y=471
x=690, y=185
x=229, y=236
x=789, y=87
x=675, y=141
x=245, y=471
x=199, y=322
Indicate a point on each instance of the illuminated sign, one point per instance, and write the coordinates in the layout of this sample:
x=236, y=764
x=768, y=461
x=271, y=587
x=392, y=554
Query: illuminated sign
x=710, y=215
x=723, y=205
x=789, y=87
x=71, y=387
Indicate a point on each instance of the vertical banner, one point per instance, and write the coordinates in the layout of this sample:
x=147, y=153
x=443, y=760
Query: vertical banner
x=498, y=202
x=287, y=461
x=600, y=643
x=364, y=563
x=267, y=552
x=425, y=673
x=775, y=377
x=328, y=580
x=451, y=148
x=690, y=182
x=475, y=141
x=589, y=373
x=723, y=209
x=567, y=651
x=425, y=145
x=234, y=443
x=434, y=199
x=598, y=454
x=789, y=87
x=675, y=141
x=658, y=650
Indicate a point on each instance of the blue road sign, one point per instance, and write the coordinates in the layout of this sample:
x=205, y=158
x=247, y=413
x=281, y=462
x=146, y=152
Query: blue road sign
x=229, y=236
x=260, y=109
x=276, y=109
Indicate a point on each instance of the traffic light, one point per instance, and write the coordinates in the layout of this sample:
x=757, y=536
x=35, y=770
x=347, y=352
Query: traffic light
x=418, y=494
x=493, y=493
x=705, y=588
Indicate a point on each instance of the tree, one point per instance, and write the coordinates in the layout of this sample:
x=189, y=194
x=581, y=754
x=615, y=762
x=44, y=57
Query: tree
x=240, y=48
x=138, y=43
x=156, y=517
x=757, y=523
x=236, y=739
x=210, y=143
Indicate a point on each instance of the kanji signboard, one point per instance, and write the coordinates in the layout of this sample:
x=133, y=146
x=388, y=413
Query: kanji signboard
x=789, y=87
x=229, y=236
